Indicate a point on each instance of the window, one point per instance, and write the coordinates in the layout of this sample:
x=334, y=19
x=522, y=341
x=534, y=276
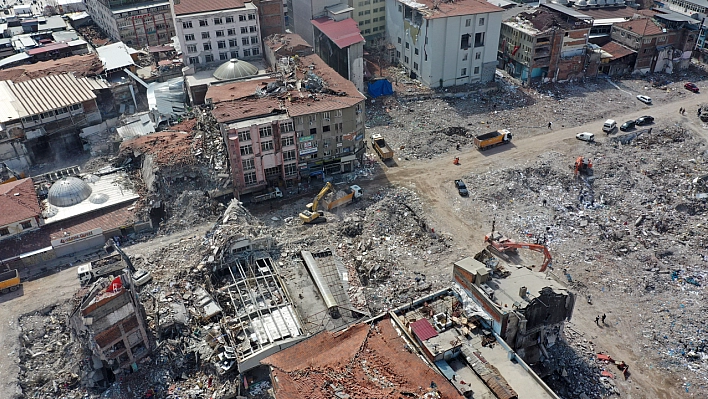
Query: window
x=313, y=131
x=479, y=39
x=207, y=46
x=231, y=31
x=229, y=20
x=465, y=41
x=244, y=29
x=265, y=131
x=221, y=44
x=382, y=8
x=408, y=45
x=338, y=139
x=244, y=41
x=290, y=169
x=338, y=113
x=416, y=51
x=476, y=70
x=244, y=135
x=191, y=48
x=248, y=164
x=463, y=72
x=477, y=55
x=464, y=58
x=375, y=20
x=255, y=51
x=241, y=17
x=4, y=232
x=327, y=153
x=481, y=22
x=399, y=40
x=251, y=17
x=218, y=21
x=400, y=8
x=203, y=22
x=246, y=149
x=375, y=28
x=325, y=128
x=367, y=12
x=233, y=43
x=287, y=141
x=313, y=118
x=205, y=35
x=224, y=56
x=287, y=127
x=189, y=37
x=246, y=53
x=250, y=178
x=405, y=59
x=234, y=54
x=468, y=22
x=361, y=13
x=325, y=116
x=415, y=66
x=289, y=155
x=267, y=145
x=398, y=55
x=219, y=33
x=26, y=225
x=209, y=58
x=186, y=25
x=254, y=39
x=368, y=21
x=193, y=60
x=252, y=28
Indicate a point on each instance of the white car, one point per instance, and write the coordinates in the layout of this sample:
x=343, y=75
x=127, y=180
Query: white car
x=142, y=277
x=585, y=136
x=644, y=99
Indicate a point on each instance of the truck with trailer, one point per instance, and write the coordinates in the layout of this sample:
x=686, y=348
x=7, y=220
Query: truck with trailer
x=492, y=139
x=89, y=272
x=345, y=196
x=274, y=193
x=9, y=281
x=380, y=146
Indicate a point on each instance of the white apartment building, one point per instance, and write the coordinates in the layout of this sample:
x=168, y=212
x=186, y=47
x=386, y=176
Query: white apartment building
x=217, y=30
x=445, y=43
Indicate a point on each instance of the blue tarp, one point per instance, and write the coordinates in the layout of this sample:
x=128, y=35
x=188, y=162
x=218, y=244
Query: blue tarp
x=380, y=88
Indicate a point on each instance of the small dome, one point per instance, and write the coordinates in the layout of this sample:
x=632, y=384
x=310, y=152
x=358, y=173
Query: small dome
x=68, y=191
x=235, y=69
x=98, y=198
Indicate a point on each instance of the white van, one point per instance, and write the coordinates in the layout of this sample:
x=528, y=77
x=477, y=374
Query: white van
x=609, y=126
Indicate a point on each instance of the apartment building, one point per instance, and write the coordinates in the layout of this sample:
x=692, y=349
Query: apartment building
x=370, y=16
x=134, y=22
x=277, y=135
x=217, y=31
x=445, y=43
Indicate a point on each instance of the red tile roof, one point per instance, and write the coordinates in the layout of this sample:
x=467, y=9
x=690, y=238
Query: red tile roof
x=439, y=9
x=230, y=111
x=343, y=33
x=617, y=50
x=423, y=329
x=184, y=7
x=18, y=201
x=79, y=65
x=47, y=48
x=236, y=90
x=642, y=27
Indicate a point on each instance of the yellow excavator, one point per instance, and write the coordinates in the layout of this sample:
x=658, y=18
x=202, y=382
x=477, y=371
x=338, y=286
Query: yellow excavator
x=311, y=215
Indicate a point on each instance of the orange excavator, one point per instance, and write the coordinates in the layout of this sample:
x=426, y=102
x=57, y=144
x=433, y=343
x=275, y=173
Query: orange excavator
x=583, y=166
x=505, y=245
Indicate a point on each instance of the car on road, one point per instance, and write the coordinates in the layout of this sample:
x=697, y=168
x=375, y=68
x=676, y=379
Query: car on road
x=691, y=87
x=585, y=136
x=644, y=120
x=628, y=125
x=461, y=188
x=644, y=99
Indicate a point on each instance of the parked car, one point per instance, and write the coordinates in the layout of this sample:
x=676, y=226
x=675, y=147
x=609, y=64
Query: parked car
x=461, y=188
x=628, y=125
x=609, y=126
x=644, y=99
x=692, y=87
x=142, y=277
x=644, y=120
x=585, y=136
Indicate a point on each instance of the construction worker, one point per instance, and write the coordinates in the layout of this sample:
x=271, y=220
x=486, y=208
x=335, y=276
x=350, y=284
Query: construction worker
x=597, y=320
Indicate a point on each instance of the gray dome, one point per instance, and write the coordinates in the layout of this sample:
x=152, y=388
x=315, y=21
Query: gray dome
x=68, y=191
x=235, y=69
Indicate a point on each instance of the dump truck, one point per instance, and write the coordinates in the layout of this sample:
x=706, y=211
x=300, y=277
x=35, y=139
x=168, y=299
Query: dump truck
x=275, y=193
x=492, y=139
x=9, y=281
x=379, y=144
x=345, y=196
x=89, y=272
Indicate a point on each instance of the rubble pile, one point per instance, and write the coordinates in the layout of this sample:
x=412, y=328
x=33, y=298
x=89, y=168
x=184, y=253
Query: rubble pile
x=634, y=228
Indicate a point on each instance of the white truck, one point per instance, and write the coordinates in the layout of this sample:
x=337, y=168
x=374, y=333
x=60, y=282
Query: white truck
x=276, y=193
x=89, y=272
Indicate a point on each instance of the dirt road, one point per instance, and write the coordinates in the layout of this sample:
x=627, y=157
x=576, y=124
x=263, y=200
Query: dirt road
x=433, y=181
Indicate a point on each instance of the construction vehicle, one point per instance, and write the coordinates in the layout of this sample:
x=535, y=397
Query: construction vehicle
x=506, y=246
x=275, y=193
x=492, y=139
x=380, y=146
x=9, y=281
x=345, y=196
x=583, y=166
x=8, y=175
x=311, y=215
x=91, y=271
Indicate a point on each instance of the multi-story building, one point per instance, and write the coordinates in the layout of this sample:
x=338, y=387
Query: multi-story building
x=216, y=31
x=272, y=14
x=445, y=43
x=370, y=15
x=697, y=9
x=339, y=43
x=550, y=43
x=278, y=135
x=134, y=22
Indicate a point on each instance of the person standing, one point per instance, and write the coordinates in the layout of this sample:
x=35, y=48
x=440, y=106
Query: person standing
x=550, y=125
x=597, y=320
x=604, y=316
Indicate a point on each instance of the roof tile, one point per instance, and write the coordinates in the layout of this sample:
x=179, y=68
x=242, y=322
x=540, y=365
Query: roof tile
x=18, y=201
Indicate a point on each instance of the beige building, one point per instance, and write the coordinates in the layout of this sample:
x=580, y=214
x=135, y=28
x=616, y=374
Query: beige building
x=370, y=15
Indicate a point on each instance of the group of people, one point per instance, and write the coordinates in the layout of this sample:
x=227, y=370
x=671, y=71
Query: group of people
x=598, y=318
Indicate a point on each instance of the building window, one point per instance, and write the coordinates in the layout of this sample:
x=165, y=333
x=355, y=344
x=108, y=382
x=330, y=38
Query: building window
x=368, y=21
x=221, y=44
x=4, y=232
x=265, y=131
x=290, y=169
x=229, y=20
x=481, y=22
x=479, y=39
x=186, y=25
x=313, y=131
x=375, y=20
x=254, y=39
x=191, y=48
x=405, y=59
x=209, y=58
x=231, y=31
x=244, y=41
x=468, y=22
x=465, y=41
x=267, y=145
x=244, y=29
x=224, y=56
x=400, y=8
x=189, y=37
x=325, y=128
x=26, y=225
x=193, y=60
x=361, y=13
x=241, y=17
x=218, y=21
x=415, y=51
x=244, y=135
x=246, y=53
x=463, y=72
x=338, y=113
x=252, y=28
x=287, y=127
x=249, y=178
x=375, y=28
x=246, y=149
x=286, y=141
x=234, y=54
x=289, y=155
x=207, y=46
x=251, y=17
x=398, y=54
x=476, y=70
x=464, y=58
x=219, y=33
x=399, y=40
x=248, y=164
x=408, y=45
x=415, y=66
x=477, y=55
x=338, y=139
x=205, y=35
x=203, y=22
x=233, y=43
